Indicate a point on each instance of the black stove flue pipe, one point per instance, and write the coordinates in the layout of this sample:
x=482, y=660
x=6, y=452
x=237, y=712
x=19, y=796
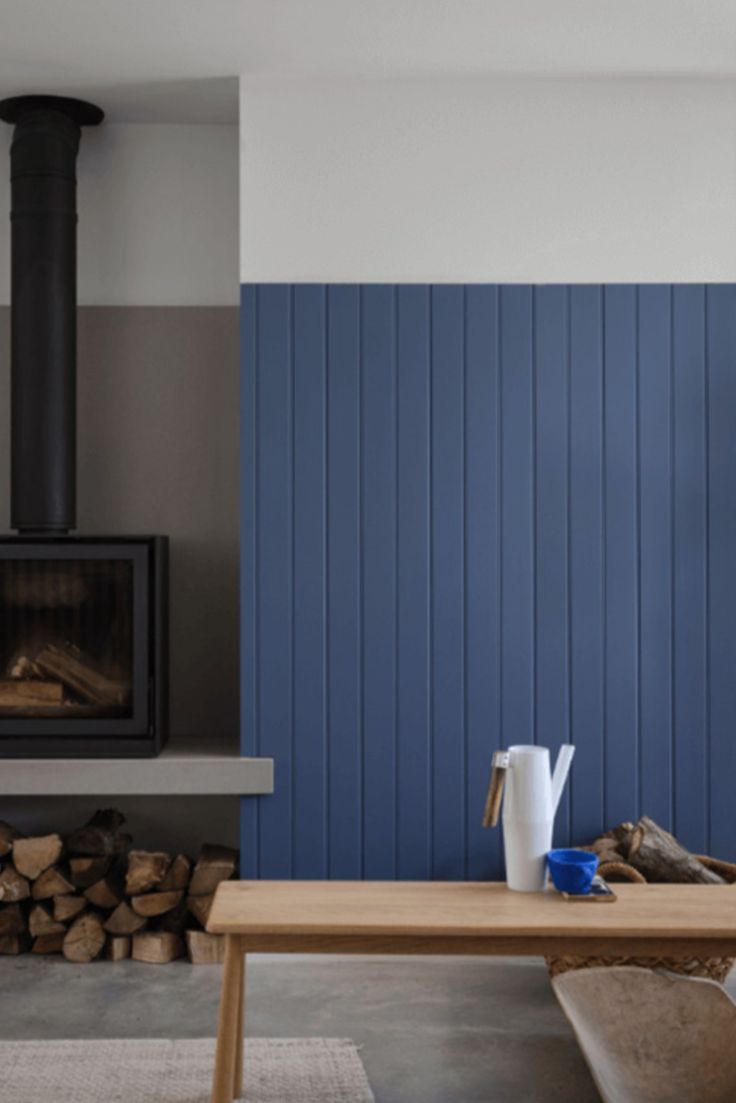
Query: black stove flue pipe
x=44, y=307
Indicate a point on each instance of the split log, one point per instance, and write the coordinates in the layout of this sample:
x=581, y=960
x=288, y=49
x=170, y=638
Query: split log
x=204, y=948
x=659, y=856
x=84, y=872
x=32, y=856
x=68, y=665
x=13, y=887
x=155, y=903
x=177, y=920
x=17, y=694
x=157, y=947
x=199, y=907
x=214, y=864
x=117, y=947
x=49, y=943
x=67, y=907
x=14, y=943
x=124, y=921
x=12, y=920
x=105, y=894
x=8, y=835
x=101, y=836
x=146, y=870
x=41, y=923
x=85, y=939
x=52, y=882
x=178, y=876
x=21, y=666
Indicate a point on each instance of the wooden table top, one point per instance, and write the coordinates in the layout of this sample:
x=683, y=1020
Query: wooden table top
x=472, y=917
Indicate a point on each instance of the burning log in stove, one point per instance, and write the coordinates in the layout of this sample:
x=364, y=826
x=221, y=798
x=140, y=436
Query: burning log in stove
x=89, y=896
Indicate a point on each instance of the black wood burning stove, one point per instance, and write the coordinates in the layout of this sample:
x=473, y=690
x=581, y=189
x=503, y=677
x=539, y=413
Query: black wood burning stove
x=83, y=620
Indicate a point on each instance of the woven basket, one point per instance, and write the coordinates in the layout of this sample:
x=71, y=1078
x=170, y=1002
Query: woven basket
x=715, y=968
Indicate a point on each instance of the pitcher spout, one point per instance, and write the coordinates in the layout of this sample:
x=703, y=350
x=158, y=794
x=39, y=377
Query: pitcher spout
x=559, y=777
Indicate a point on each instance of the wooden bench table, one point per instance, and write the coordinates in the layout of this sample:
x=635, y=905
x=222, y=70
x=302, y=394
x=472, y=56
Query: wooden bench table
x=369, y=917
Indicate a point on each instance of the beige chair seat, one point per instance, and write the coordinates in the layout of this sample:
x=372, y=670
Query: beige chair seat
x=652, y=1037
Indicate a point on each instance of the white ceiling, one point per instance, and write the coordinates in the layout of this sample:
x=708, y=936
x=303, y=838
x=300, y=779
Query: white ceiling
x=175, y=60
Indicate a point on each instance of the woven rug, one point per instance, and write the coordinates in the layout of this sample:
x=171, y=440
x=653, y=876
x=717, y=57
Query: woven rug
x=289, y=1070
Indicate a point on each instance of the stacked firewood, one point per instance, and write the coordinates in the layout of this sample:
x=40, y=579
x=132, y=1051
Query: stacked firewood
x=90, y=895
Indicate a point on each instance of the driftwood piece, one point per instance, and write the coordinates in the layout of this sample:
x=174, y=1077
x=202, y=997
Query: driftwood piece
x=84, y=872
x=659, y=856
x=199, y=907
x=68, y=665
x=40, y=922
x=32, y=856
x=13, y=886
x=84, y=939
x=52, y=882
x=146, y=870
x=105, y=894
x=155, y=903
x=157, y=947
x=204, y=948
x=214, y=864
x=124, y=920
x=101, y=836
x=117, y=947
x=15, y=943
x=18, y=694
x=49, y=943
x=178, y=875
x=8, y=835
x=68, y=906
x=12, y=920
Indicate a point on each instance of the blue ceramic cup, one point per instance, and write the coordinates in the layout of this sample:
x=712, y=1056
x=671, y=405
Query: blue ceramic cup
x=572, y=870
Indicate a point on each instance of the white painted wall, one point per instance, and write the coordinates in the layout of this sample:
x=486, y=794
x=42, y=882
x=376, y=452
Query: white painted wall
x=158, y=215
x=488, y=179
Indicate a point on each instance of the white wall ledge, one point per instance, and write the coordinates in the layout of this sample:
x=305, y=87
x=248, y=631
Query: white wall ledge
x=185, y=768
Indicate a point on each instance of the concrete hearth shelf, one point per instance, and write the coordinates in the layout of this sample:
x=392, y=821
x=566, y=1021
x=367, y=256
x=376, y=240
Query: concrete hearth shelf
x=185, y=767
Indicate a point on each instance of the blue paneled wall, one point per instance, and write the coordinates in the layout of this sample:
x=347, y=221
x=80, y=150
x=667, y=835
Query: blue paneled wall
x=475, y=516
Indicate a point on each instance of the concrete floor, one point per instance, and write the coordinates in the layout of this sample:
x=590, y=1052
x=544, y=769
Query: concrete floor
x=439, y=1030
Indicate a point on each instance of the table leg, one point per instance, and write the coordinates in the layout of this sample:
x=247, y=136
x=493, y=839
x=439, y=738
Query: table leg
x=227, y=1024
x=238, y=1075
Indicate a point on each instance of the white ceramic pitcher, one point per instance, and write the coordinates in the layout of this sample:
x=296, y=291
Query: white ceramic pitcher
x=532, y=797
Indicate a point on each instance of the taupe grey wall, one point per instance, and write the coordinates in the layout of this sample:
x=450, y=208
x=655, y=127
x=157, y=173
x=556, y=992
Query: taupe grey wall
x=158, y=453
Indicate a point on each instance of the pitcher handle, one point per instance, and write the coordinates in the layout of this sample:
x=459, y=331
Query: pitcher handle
x=501, y=761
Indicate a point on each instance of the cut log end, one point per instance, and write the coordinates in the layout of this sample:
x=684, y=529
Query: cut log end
x=32, y=856
x=85, y=939
x=204, y=948
x=157, y=947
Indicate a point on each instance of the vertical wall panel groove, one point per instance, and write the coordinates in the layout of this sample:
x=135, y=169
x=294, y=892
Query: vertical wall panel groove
x=343, y=582
x=413, y=584
x=483, y=733
x=309, y=827
x=551, y=543
x=447, y=581
x=621, y=577
x=474, y=516
x=690, y=567
x=722, y=557
x=655, y=554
